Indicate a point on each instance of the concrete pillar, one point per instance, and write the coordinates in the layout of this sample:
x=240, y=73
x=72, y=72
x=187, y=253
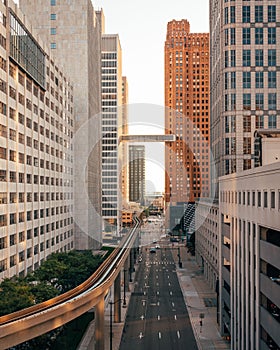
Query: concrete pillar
x=131, y=264
x=99, y=325
x=126, y=276
x=117, y=299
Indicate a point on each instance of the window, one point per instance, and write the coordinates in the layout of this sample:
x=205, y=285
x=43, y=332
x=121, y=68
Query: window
x=258, y=36
x=265, y=199
x=272, y=101
x=246, y=80
x=259, y=101
x=246, y=145
x=271, y=35
x=53, y=2
x=53, y=45
x=272, y=121
x=232, y=14
x=246, y=14
x=246, y=36
x=53, y=16
x=259, y=79
x=271, y=13
x=226, y=59
x=247, y=123
x=233, y=80
x=272, y=79
x=272, y=199
x=272, y=57
x=226, y=15
x=232, y=58
x=232, y=36
x=232, y=102
x=53, y=31
x=246, y=55
x=259, y=58
x=258, y=14
x=259, y=122
x=259, y=199
x=246, y=102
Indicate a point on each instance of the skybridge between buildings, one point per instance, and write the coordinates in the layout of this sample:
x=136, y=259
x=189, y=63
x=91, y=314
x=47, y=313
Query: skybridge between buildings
x=148, y=138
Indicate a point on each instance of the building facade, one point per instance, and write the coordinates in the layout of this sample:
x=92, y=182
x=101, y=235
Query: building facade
x=111, y=80
x=137, y=176
x=73, y=34
x=124, y=146
x=36, y=160
x=245, y=77
x=249, y=265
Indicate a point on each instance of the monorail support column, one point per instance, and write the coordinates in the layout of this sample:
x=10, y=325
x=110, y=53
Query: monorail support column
x=125, y=271
x=117, y=299
x=99, y=325
x=131, y=264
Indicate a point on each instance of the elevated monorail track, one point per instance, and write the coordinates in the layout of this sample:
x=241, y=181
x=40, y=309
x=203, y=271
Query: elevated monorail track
x=31, y=322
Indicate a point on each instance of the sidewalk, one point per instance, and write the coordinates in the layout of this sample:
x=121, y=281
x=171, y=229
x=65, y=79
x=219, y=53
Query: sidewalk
x=198, y=294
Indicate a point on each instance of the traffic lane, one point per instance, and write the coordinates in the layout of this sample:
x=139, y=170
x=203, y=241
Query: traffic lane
x=165, y=323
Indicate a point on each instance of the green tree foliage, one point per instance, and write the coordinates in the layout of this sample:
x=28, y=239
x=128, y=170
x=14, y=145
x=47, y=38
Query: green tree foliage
x=15, y=295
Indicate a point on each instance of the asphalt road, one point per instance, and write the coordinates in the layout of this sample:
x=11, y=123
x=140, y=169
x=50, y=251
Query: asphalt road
x=157, y=317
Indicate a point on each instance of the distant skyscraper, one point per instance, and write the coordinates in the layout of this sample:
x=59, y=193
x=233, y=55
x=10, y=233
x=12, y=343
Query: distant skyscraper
x=137, y=173
x=112, y=98
x=73, y=34
x=124, y=146
x=187, y=97
x=187, y=92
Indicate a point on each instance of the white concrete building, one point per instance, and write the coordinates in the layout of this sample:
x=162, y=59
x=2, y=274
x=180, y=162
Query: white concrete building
x=249, y=264
x=111, y=82
x=36, y=160
x=72, y=31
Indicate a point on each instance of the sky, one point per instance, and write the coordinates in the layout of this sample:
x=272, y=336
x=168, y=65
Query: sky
x=141, y=26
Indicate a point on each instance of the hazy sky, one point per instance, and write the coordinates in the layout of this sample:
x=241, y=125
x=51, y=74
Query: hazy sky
x=141, y=26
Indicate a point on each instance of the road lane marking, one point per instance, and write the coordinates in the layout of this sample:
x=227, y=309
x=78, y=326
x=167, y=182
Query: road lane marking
x=157, y=292
x=141, y=335
x=173, y=304
x=159, y=335
x=178, y=334
x=169, y=284
x=170, y=292
x=175, y=317
x=158, y=303
x=168, y=276
x=142, y=317
x=158, y=317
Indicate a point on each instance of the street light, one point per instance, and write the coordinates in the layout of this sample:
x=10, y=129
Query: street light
x=111, y=321
x=124, y=285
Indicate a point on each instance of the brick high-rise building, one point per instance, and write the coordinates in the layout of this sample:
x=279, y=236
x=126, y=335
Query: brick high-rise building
x=187, y=116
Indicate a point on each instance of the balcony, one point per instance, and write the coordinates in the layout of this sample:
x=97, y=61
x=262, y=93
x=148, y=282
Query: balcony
x=270, y=324
x=226, y=251
x=226, y=273
x=226, y=297
x=270, y=253
x=270, y=289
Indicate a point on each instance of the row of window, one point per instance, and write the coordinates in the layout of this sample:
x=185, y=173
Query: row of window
x=22, y=217
x=264, y=199
x=261, y=14
x=259, y=59
x=27, y=179
x=259, y=103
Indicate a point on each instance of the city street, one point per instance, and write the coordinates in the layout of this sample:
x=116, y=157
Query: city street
x=157, y=317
